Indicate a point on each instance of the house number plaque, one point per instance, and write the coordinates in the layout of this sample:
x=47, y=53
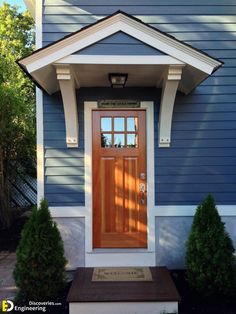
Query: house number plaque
x=118, y=104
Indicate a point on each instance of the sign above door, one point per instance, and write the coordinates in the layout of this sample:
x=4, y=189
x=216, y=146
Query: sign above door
x=119, y=104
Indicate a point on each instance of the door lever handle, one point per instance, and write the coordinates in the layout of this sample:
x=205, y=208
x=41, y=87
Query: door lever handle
x=142, y=187
x=142, y=190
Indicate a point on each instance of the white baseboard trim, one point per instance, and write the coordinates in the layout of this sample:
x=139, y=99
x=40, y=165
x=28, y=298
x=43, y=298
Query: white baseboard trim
x=68, y=211
x=189, y=210
x=159, y=211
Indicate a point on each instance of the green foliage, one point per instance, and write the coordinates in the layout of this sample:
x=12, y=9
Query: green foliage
x=17, y=95
x=209, y=257
x=39, y=270
x=17, y=102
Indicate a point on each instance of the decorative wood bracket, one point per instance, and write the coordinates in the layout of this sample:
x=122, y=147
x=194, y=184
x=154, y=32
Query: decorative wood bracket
x=67, y=85
x=169, y=89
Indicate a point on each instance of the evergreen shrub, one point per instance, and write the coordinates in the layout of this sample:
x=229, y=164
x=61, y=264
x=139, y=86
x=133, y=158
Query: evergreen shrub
x=40, y=266
x=210, y=260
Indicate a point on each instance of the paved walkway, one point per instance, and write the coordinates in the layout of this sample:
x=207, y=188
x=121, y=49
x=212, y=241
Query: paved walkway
x=7, y=285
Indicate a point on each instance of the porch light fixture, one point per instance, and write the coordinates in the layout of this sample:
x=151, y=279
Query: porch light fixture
x=118, y=80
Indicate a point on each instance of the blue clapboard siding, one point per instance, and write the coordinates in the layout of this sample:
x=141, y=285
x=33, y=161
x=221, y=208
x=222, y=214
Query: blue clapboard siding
x=202, y=156
x=119, y=44
x=139, y=9
x=118, y=49
x=64, y=168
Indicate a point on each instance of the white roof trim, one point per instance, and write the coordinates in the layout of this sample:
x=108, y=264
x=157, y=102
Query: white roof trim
x=118, y=59
x=110, y=26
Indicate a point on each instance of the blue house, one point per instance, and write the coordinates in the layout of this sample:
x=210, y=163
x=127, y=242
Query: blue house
x=136, y=123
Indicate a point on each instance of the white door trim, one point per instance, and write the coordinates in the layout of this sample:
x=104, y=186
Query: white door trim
x=88, y=107
x=96, y=257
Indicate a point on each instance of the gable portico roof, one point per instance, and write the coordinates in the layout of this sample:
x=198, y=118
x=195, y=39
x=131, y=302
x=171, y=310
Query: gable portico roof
x=173, y=66
x=40, y=64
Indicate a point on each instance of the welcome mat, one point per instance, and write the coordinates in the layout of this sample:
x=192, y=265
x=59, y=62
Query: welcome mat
x=122, y=274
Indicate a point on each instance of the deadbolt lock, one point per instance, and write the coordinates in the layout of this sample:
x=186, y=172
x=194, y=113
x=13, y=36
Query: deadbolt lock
x=142, y=176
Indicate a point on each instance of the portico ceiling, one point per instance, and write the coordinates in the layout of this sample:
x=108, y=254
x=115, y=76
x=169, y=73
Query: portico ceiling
x=96, y=75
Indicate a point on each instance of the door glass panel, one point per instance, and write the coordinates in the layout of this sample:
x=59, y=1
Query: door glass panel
x=106, y=140
x=132, y=124
x=106, y=124
x=119, y=140
x=132, y=140
x=119, y=124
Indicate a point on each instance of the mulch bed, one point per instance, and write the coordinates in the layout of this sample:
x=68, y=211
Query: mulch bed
x=192, y=303
x=10, y=238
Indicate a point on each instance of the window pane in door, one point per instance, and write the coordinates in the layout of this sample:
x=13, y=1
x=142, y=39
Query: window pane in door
x=106, y=140
x=106, y=124
x=132, y=140
x=119, y=140
x=119, y=124
x=132, y=124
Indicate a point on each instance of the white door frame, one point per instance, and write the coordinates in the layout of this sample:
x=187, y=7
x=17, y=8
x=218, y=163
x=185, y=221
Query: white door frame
x=108, y=257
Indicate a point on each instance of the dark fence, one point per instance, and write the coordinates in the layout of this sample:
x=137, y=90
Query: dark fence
x=22, y=188
x=23, y=191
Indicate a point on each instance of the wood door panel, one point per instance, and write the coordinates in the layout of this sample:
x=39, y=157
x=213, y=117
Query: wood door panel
x=130, y=194
x=107, y=183
x=119, y=216
x=120, y=240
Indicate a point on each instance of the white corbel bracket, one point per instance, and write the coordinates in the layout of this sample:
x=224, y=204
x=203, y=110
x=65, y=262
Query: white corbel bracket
x=170, y=85
x=67, y=86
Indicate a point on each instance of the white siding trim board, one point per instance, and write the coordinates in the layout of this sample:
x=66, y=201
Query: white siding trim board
x=39, y=112
x=40, y=145
x=158, y=211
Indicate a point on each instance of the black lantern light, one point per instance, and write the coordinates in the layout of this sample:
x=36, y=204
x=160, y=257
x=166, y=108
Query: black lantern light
x=118, y=80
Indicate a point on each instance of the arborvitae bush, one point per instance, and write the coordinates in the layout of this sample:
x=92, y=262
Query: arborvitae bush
x=40, y=266
x=209, y=258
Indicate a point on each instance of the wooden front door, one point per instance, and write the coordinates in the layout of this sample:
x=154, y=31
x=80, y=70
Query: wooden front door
x=119, y=179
